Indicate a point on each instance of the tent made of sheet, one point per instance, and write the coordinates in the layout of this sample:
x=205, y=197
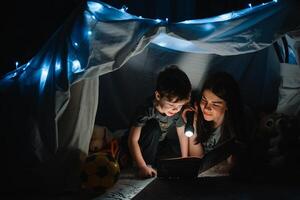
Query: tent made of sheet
x=49, y=105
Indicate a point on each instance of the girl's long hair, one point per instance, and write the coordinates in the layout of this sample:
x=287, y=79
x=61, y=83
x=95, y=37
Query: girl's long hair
x=225, y=87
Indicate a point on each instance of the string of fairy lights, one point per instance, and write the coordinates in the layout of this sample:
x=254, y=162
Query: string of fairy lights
x=94, y=8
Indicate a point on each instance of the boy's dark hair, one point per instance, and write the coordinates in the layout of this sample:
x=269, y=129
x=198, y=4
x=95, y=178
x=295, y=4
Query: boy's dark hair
x=173, y=84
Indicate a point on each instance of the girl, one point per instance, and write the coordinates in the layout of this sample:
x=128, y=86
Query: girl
x=218, y=114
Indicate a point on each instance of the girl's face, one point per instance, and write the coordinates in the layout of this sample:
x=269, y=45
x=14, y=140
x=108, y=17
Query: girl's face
x=213, y=107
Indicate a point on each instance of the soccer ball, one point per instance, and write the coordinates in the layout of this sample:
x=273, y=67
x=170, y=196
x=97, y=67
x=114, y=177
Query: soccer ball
x=99, y=172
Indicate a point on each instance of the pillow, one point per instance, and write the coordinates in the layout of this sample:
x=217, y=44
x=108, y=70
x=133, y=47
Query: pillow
x=289, y=90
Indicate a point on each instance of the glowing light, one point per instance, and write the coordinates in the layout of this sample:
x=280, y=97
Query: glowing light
x=89, y=32
x=188, y=133
x=189, y=128
x=90, y=16
x=167, y=19
x=57, y=65
x=11, y=75
x=94, y=6
x=17, y=64
x=124, y=8
x=275, y=1
x=163, y=44
x=224, y=17
x=158, y=20
x=186, y=21
x=140, y=17
x=75, y=44
x=76, y=67
x=208, y=27
x=166, y=41
x=44, y=74
x=250, y=5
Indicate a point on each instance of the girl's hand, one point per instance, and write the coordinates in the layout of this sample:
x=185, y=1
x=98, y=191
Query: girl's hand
x=196, y=107
x=189, y=109
x=186, y=109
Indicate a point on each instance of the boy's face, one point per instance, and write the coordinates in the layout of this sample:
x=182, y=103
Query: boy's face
x=167, y=106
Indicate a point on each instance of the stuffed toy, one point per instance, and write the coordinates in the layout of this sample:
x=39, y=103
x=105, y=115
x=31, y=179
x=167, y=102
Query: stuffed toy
x=101, y=138
x=276, y=148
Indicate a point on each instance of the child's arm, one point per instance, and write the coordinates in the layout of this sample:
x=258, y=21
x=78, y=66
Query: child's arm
x=183, y=140
x=134, y=147
x=195, y=149
x=135, y=150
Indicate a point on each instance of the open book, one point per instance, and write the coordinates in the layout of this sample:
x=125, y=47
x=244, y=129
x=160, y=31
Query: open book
x=190, y=167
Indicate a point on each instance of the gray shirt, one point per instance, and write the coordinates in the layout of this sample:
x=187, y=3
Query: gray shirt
x=212, y=141
x=148, y=111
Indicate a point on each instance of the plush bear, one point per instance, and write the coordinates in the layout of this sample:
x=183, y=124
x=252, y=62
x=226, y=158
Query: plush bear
x=275, y=150
x=103, y=140
x=101, y=137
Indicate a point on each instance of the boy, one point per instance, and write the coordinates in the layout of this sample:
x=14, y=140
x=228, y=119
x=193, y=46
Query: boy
x=147, y=137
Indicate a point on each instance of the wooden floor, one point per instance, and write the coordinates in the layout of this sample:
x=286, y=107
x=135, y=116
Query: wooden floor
x=214, y=188
x=126, y=188
x=208, y=186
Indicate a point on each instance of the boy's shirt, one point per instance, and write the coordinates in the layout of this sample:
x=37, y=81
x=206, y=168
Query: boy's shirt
x=148, y=111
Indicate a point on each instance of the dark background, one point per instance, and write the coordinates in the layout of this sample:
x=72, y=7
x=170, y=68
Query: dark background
x=27, y=25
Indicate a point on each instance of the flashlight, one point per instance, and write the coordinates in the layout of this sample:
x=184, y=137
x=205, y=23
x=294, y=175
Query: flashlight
x=189, y=128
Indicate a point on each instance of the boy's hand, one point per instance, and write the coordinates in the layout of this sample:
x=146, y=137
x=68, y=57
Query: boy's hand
x=147, y=172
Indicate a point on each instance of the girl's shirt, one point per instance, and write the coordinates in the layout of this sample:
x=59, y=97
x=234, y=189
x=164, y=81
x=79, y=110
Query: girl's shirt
x=212, y=141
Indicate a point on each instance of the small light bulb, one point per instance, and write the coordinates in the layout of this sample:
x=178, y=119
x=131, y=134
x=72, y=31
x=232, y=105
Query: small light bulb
x=124, y=8
x=95, y=7
x=57, y=66
x=158, y=20
x=76, y=67
x=250, y=5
